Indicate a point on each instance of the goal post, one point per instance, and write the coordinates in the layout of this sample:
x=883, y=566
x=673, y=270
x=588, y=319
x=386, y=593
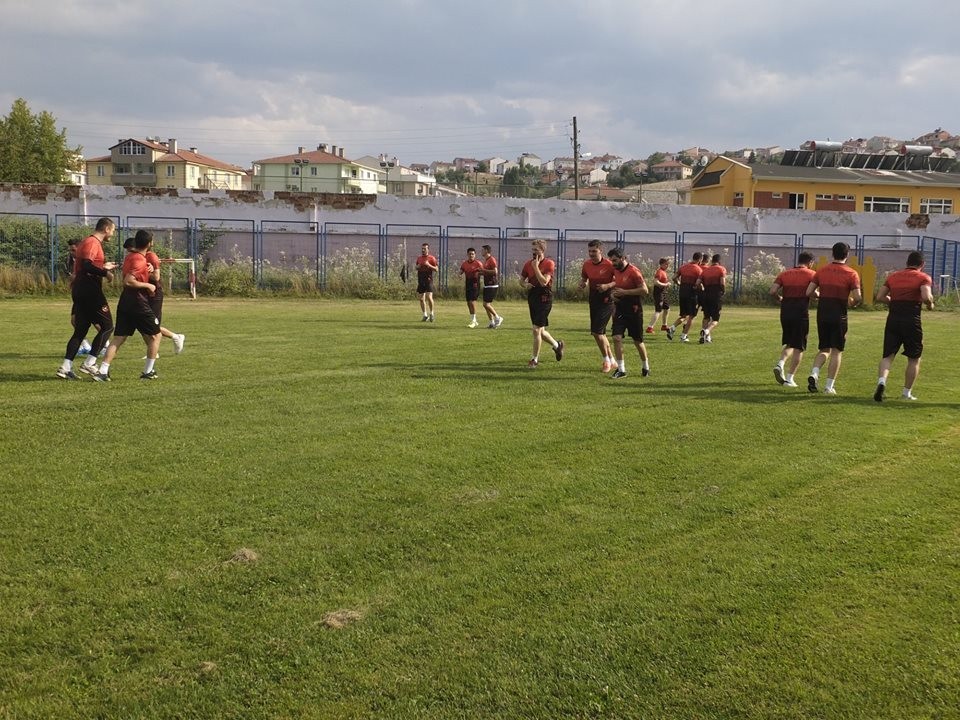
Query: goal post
x=191, y=273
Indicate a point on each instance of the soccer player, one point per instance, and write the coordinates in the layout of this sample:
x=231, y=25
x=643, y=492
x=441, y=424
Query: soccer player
x=627, y=288
x=688, y=277
x=904, y=291
x=790, y=288
x=426, y=267
x=597, y=271
x=89, y=303
x=537, y=278
x=491, y=284
x=839, y=287
x=133, y=309
x=661, y=296
x=470, y=270
x=156, y=302
x=714, y=282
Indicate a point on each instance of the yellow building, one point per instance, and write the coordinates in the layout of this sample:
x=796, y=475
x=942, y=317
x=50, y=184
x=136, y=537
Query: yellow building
x=855, y=183
x=151, y=163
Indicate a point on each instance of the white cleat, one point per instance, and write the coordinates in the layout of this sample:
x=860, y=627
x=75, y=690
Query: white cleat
x=178, y=341
x=499, y=321
x=908, y=396
x=829, y=391
x=789, y=383
x=473, y=324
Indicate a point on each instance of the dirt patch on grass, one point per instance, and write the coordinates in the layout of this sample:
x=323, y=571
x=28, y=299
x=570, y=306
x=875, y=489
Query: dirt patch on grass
x=244, y=555
x=207, y=668
x=476, y=496
x=339, y=619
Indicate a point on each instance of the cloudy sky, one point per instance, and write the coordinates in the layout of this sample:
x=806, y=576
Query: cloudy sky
x=434, y=79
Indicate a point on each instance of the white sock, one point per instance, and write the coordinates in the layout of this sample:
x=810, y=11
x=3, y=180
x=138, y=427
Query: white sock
x=67, y=365
x=829, y=383
x=881, y=381
x=555, y=345
x=646, y=364
x=90, y=361
x=104, y=368
x=622, y=365
x=781, y=363
x=815, y=372
x=148, y=366
x=473, y=318
x=610, y=360
x=788, y=378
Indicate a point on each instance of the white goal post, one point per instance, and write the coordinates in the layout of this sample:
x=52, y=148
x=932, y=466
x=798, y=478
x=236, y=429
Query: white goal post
x=192, y=276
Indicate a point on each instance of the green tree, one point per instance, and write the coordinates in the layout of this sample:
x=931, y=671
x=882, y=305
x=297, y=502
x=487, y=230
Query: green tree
x=31, y=149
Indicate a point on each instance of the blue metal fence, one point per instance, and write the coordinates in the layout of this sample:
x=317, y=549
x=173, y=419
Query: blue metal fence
x=40, y=242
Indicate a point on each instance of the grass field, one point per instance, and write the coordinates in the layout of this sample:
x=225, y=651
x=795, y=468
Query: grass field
x=331, y=510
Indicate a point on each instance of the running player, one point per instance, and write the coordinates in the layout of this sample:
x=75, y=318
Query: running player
x=628, y=287
x=688, y=277
x=661, y=296
x=470, y=270
x=537, y=278
x=156, y=302
x=904, y=291
x=133, y=309
x=714, y=282
x=426, y=267
x=790, y=288
x=89, y=303
x=491, y=284
x=839, y=287
x=597, y=272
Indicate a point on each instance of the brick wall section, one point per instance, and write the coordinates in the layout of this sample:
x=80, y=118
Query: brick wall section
x=767, y=200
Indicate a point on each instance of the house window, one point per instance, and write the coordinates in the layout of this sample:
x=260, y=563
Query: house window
x=256, y=186
x=100, y=171
x=171, y=171
x=121, y=169
x=776, y=196
x=846, y=198
x=313, y=170
x=739, y=196
x=132, y=148
x=934, y=206
x=353, y=172
x=295, y=170
x=821, y=196
x=886, y=204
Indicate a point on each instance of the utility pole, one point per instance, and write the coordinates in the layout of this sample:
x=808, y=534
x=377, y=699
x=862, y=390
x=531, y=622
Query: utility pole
x=576, y=161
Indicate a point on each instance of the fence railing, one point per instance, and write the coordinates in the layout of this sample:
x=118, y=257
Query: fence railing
x=318, y=251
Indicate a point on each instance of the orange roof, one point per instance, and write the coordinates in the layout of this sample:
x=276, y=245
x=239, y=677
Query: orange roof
x=318, y=157
x=197, y=159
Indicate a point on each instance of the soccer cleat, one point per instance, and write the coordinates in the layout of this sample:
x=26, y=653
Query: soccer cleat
x=431, y=317
x=66, y=374
x=670, y=331
x=88, y=369
x=708, y=338
x=499, y=321
x=152, y=375
x=908, y=396
x=558, y=350
x=684, y=338
x=878, y=393
x=425, y=318
x=829, y=391
x=84, y=348
x=789, y=383
x=473, y=324
x=703, y=335
x=649, y=329
x=618, y=373
x=532, y=364
x=102, y=377
x=812, y=384
x=178, y=341
x=778, y=374
x=664, y=327
x=645, y=372
x=491, y=325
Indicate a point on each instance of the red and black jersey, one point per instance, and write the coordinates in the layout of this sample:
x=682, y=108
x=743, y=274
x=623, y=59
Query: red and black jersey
x=836, y=281
x=490, y=273
x=689, y=273
x=422, y=270
x=471, y=270
x=713, y=275
x=597, y=273
x=547, y=267
x=88, y=264
x=904, y=287
x=794, y=282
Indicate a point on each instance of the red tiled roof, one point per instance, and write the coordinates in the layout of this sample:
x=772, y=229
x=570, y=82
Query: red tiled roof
x=197, y=159
x=318, y=157
x=102, y=158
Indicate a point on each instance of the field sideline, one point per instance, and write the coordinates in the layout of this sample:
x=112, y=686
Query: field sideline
x=327, y=509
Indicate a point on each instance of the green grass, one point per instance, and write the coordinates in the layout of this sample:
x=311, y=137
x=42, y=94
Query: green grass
x=514, y=544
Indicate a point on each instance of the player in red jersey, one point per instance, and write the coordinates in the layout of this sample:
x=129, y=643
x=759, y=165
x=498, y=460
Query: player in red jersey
x=156, y=301
x=790, y=289
x=470, y=270
x=426, y=267
x=904, y=291
x=491, y=285
x=597, y=272
x=628, y=288
x=714, y=282
x=537, y=278
x=89, y=303
x=661, y=296
x=839, y=287
x=688, y=277
x=134, y=313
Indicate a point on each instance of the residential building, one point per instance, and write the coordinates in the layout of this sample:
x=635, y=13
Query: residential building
x=878, y=183
x=466, y=164
x=151, y=163
x=494, y=163
x=439, y=166
x=600, y=192
x=315, y=171
x=609, y=162
x=395, y=179
x=529, y=159
x=671, y=170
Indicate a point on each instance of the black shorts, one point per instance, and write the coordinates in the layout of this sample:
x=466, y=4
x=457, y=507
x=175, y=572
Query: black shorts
x=156, y=303
x=540, y=302
x=832, y=333
x=601, y=310
x=424, y=284
x=711, y=302
x=91, y=309
x=688, y=301
x=906, y=331
x=628, y=320
x=134, y=315
x=794, y=330
x=490, y=293
x=661, y=298
x=472, y=291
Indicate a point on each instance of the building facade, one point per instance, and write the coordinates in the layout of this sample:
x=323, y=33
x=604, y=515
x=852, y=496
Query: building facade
x=317, y=171
x=151, y=163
